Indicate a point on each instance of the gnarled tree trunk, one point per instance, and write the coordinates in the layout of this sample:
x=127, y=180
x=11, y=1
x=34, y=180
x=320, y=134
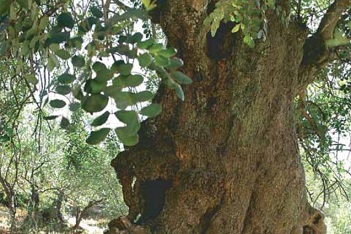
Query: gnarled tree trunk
x=225, y=160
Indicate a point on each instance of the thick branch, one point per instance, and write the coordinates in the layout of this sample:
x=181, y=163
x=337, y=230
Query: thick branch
x=331, y=17
x=316, y=51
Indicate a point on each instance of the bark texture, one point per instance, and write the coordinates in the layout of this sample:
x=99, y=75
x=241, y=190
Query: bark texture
x=226, y=159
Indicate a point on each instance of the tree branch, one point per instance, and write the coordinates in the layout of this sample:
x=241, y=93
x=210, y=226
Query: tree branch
x=316, y=50
x=331, y=18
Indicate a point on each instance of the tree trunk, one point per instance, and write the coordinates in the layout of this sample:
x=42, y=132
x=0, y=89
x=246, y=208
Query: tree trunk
x=225, y=160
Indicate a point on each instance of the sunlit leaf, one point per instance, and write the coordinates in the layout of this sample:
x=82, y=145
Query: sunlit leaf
x=31, y=79
x=179, y=92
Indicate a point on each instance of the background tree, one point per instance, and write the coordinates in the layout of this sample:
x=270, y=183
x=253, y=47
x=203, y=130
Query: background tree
x=223, y=151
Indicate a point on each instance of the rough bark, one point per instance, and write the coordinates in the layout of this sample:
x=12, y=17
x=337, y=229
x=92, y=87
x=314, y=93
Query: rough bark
x=226, y=159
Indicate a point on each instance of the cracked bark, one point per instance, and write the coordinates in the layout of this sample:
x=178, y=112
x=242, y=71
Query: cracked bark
x=229, y=151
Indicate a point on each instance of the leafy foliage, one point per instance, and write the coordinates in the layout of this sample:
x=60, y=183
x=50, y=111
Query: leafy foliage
x=98, y=51
x=248, y=16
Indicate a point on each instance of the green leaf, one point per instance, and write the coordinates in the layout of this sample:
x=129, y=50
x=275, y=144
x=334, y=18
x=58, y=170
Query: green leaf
x=126, y=139
x=51, y=117
x=76, y=42
x=145, y=44
x=23, y=3
x=131, y=119
x=57, y=103
x=100, y=120
x=63, y=89
x=54, y=47
x=128, y=81
x=152, y=110
x=124, y=69
x=77, y=93
x=135, y=38
x=155, y=48
x=96, y=12
x=94, y=86
x=236, y=28
x=99, y=66
x=181, y=78
x=149, y=4
x=31, y=79
x=74, y=106
x=249, y=41
x=111, y=90
x=63, y=54
x=78, y=61
x=58, y=37
x=145, y=60
x=65, y=19
x=104, y=75
x=95, y=137
x=123, y=99
x=175, y=63
x=179, y=92
x=169, y=52
x=53, y=62
x=161, y=60
x=64, y=123
x=94, y=103
x=142, y=96
x=3, y=48
x=66, y=78
x=5, y=138
x=44, y=21
x=86, y=25
x=4, y=6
